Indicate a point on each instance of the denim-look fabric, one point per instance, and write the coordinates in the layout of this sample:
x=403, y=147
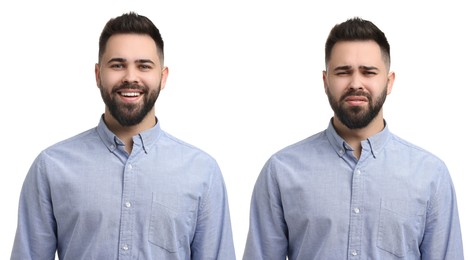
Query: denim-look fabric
x=314, y=200
x=87, y=198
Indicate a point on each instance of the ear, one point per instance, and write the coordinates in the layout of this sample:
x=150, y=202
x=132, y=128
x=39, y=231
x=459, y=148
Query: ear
x=97, y=75
x=325, y=81
x=390, y=81
x=164, y=77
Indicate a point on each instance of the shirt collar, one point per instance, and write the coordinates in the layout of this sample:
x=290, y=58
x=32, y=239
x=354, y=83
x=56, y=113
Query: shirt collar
x=145, y=139
x=374, y=143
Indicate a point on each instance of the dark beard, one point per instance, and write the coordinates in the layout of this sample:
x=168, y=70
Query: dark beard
x=130, y=114
x=357, y=117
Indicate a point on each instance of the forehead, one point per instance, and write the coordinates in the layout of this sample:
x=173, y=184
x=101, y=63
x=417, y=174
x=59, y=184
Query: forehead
x=355, y=54
x=131, y=47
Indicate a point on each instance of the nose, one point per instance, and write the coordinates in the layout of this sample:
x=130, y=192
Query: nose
x=130, y=76
x=356, y=81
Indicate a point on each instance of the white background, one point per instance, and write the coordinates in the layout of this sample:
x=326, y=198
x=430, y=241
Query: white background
x=245, y=81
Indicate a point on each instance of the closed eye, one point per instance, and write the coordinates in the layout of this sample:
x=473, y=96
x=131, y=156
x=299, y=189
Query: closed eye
x=369, y=70
x=343, y=72
x=370, y=73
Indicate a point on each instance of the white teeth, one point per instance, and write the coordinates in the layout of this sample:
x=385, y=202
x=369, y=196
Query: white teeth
x=130, y=94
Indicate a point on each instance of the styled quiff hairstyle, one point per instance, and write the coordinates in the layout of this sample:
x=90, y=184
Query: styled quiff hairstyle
x=357, y=29
x=131, y=23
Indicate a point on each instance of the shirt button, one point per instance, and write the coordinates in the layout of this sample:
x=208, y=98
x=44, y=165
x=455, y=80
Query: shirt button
x=130, y=166
x=356, y=210
x=125, y=247
x=128, y=204
x=354, y=253
x=358, y=172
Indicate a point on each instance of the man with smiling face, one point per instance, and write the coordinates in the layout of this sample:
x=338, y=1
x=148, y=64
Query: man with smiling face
x=354, y=190
x=125, y=189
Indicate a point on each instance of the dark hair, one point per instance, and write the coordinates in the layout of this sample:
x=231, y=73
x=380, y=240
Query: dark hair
x=357, y=29
x=131, y=23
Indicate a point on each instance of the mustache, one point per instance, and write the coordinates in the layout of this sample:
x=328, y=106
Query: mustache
x=128, y=85
x=354, y=92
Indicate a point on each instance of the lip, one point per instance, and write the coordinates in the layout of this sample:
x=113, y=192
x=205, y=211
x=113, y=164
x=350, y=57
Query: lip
x=129, y=95
x=356, y=100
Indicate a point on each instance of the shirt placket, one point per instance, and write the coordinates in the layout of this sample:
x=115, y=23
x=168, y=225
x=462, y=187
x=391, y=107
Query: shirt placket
x=355, y=226
x=127, y=212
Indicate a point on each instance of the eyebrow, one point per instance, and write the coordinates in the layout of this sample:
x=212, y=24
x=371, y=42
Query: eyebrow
x=348, y=67
x=139, y=61
x=345, y=67
x=368, y=68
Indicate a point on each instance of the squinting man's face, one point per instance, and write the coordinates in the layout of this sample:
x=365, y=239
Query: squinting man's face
x=357, y=82
x=130, y=77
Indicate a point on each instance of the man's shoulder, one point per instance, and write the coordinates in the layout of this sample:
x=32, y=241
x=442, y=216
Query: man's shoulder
x=172, y=142
x=404, y=144
x=74, y=141
x=302, y=150
x=302, y=146
x=413, y=150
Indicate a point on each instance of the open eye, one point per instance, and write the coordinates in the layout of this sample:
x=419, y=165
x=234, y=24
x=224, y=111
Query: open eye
x=117, y=66
x=144, y=67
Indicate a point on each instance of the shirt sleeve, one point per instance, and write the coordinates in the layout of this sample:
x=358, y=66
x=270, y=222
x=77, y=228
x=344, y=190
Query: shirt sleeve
x=268, y=233
x=36, y=228
x=442, y=239
x=213, y=236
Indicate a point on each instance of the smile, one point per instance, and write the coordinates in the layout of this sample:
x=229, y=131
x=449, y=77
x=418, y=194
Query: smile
x=130, y=94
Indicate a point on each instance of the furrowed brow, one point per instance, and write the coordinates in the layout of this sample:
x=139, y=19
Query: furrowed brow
x=368, y=68
x=345, y=67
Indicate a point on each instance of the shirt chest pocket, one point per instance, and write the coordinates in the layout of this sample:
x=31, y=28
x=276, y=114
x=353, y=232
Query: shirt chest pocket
x=401, y=226
x=172, y=221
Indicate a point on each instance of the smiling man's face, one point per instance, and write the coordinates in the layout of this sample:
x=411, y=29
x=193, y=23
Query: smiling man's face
x=130, y=77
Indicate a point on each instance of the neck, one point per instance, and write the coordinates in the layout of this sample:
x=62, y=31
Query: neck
x=354, y=137
x=126, y=133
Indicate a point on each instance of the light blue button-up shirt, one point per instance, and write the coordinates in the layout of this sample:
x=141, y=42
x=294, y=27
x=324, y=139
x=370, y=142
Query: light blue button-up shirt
x=87, y=198
x=314, y=200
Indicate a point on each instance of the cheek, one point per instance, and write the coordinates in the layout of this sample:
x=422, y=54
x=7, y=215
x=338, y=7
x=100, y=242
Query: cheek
x=108, y=80
x=340, y=82
x=336, y=87
x=378, y=87
x=151, y=82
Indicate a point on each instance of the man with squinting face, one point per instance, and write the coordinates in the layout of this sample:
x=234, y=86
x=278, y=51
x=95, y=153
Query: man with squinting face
x=354, y=190
x=363, y=67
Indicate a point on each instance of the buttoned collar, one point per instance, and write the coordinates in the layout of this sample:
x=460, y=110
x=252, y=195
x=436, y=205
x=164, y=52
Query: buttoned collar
x=373, y=144
x=144, y=139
